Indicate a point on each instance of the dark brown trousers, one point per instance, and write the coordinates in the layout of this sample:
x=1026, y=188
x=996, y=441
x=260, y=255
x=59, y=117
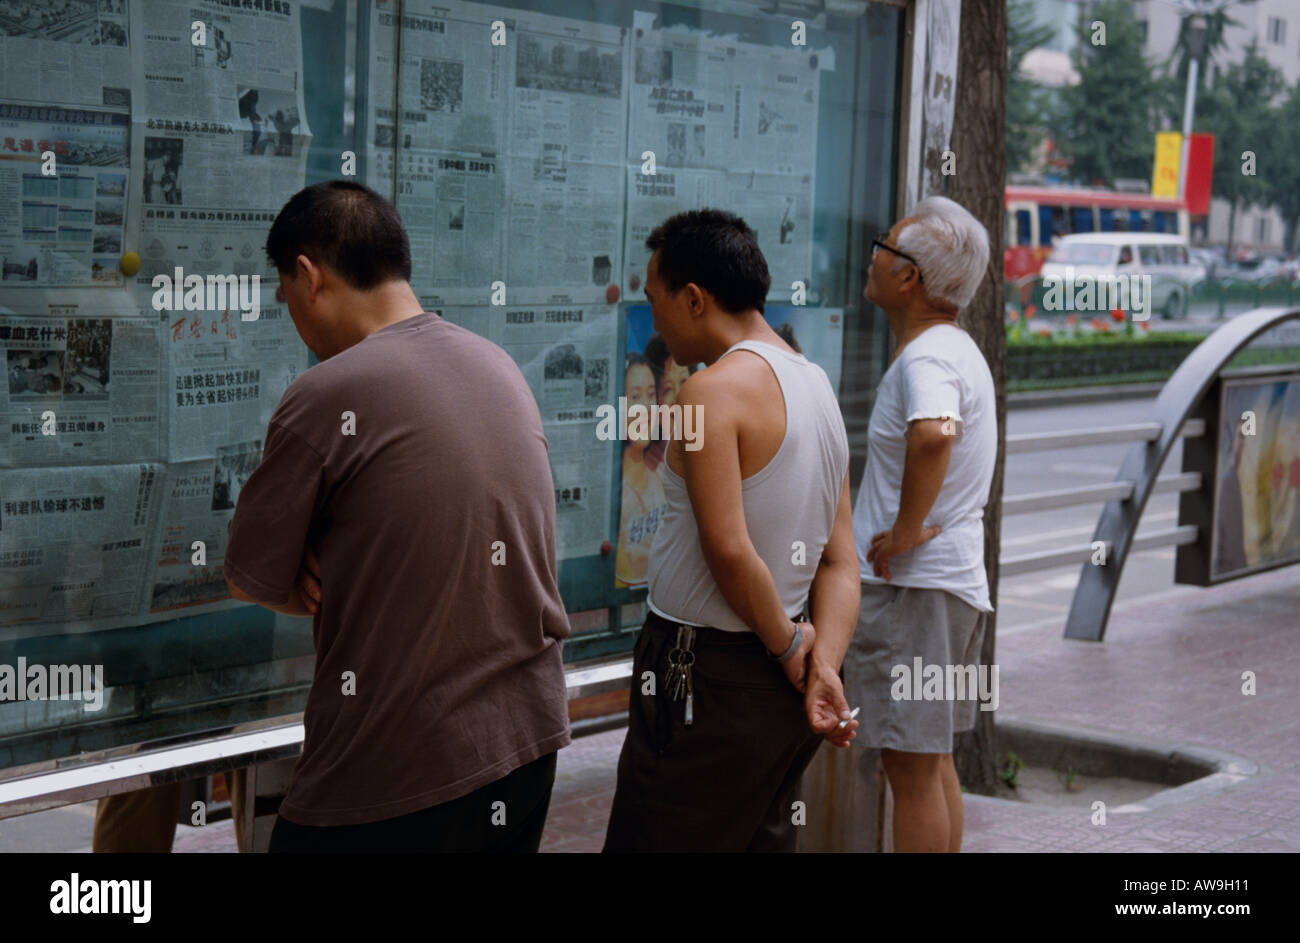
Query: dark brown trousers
x=727, y=782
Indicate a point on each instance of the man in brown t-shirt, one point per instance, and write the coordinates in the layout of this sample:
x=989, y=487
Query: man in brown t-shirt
x=404, y=499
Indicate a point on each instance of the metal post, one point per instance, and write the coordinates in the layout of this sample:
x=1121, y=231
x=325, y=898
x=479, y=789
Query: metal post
x=1189, y=106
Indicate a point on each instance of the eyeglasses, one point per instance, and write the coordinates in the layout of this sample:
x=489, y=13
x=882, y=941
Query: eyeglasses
x=879, y=243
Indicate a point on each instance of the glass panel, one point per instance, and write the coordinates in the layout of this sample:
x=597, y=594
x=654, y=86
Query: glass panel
x=1082, y=254
x=1023, y=228
x=1052, y=222
x=109, y=588
x=520, y=163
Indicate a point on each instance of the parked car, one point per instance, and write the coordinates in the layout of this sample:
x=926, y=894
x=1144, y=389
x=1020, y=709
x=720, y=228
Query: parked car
x=1165, y=258
x=1211, y=259
x=1262, y=268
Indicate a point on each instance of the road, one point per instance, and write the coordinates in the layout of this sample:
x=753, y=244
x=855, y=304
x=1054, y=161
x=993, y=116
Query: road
x=1038, y=599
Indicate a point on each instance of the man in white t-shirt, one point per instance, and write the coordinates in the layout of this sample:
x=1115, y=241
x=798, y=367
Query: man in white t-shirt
x=913, y=665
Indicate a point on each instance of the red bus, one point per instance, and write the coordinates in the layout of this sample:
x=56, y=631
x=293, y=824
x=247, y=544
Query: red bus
x=1036, y=215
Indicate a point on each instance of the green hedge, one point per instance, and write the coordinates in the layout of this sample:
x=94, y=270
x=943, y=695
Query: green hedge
x=1099, y=360
x=1089, y=361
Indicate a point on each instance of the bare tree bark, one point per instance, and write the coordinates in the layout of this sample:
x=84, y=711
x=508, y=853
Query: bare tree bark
x=978, y=143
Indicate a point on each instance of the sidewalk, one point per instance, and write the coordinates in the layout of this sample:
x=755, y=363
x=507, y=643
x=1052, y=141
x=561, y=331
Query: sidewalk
x=1170, y=668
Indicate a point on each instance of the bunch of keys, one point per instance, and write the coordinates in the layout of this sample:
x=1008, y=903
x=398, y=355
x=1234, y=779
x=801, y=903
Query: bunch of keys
x=679, y=675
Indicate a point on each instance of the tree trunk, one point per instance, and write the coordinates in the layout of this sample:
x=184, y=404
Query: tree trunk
x=978, y=141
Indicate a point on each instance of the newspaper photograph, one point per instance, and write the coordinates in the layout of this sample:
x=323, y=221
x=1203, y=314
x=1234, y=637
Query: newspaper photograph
x=75, y=545
x=566, y=353
x=66, y=227
x=75, y=52
x=198, y=503
x=567, y=125
x=81, y=385
x=778, y=207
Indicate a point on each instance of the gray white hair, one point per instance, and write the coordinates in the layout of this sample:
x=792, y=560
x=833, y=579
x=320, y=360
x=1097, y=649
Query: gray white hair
x=951, y=248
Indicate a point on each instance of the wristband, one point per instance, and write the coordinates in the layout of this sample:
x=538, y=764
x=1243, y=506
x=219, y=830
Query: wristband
x=794, y=646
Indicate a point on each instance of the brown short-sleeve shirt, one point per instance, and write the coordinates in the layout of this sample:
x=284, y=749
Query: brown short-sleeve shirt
x=432, y=512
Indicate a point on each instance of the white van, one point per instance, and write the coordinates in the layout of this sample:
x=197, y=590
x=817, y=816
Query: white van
x=1173, y=272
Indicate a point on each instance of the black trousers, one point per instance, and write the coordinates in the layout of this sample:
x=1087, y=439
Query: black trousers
x=461, y=825
x=728, y=781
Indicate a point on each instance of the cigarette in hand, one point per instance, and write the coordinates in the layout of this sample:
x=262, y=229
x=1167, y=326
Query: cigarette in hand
x=852, y=714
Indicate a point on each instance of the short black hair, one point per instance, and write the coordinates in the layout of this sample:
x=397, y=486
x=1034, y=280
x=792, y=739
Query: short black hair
x=347, y=226
x=717, y=251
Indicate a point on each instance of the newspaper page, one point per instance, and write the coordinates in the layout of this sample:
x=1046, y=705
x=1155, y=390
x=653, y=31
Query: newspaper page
x=74, y=52
x=220, y=133
x=938, y=101
x=220, y=143
x=566, y=353
x=778, y=207
x=62, y=221
x=197, y=504
x=728, y=124
x=440, y=130
x=568, y=121
x=83, y=380
x=501, y=108
x=75, y=546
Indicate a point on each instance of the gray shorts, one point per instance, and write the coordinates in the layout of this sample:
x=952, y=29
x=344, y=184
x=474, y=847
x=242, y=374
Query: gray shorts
x=897, y=625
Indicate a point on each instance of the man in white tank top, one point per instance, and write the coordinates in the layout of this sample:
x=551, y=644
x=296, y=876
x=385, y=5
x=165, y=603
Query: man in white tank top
x=732, y=690
x=919, y=522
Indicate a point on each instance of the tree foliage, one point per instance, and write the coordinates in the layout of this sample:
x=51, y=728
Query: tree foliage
x=1281, y=173
x=1107, y=121
x=1241, y=111
x=1026, y=110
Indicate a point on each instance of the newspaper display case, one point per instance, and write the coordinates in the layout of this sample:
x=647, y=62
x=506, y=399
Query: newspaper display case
x=529, y=146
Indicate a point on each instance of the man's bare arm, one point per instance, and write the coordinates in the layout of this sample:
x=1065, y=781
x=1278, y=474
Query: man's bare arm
x=713, y=483
x=836, y=589
x=925, y=466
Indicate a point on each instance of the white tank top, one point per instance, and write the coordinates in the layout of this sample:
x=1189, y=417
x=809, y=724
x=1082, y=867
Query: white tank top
x=789, y=505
